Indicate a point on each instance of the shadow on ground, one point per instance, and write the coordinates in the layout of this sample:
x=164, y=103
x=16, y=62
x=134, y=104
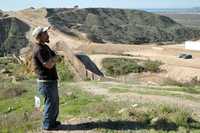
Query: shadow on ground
x=115, y=125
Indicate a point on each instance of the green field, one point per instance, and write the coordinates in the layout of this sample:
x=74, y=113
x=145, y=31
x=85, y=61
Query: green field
x=94, y=112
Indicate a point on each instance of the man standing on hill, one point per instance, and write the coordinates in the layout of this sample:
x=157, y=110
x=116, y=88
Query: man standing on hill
x=45, y=66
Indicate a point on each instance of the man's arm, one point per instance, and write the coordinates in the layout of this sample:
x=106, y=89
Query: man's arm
x=45, y=57
x=50, y=63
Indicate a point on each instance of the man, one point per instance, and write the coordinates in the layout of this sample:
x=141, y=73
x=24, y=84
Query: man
x=45, y=66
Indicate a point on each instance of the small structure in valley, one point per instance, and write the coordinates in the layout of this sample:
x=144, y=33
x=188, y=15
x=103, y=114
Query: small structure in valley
x=192, y=45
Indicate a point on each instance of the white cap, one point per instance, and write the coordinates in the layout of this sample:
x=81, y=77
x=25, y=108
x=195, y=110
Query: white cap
x=39, y=30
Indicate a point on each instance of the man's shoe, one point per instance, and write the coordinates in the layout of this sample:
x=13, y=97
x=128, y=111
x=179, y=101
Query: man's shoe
x=58, y=123
x=51, y=129
x=55, y=127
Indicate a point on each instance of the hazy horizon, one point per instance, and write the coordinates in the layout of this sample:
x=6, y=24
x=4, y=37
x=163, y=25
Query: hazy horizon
x=124, y=4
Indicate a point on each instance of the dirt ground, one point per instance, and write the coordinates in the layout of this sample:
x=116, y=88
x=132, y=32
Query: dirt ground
x=173, y=67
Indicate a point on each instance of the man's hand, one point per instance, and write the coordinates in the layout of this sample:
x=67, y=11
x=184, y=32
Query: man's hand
x=51, y=62
x=54, y=59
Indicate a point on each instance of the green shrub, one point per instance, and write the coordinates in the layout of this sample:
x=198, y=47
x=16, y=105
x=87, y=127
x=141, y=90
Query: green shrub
x=64, y=72
x=181, y=118
x=152, y=66
x=122, y=66
x=163, y=117
x=165, y=109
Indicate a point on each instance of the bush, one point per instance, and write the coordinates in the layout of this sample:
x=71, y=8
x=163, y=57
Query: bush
x=14, y=70
x=163, y=117
x=152, y=66
x=182, y=118
x=64, y=72
x=122, y=66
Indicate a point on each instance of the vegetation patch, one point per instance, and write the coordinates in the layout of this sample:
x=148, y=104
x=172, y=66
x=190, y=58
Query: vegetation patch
x=63, y=71
x=17, y=107
x=163, y=117
x=12, y=92
x=119, y=90
x=73, y=101
x=192, y=86
x=159, y=91
x=122, y=66
x=17, y=113
x=152, y=66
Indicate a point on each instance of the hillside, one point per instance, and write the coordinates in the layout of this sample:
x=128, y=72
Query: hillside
x=12, y=35
x=120, y=25
x=101, y=25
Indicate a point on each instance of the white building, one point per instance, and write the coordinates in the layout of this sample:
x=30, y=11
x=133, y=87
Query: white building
x=192, y=45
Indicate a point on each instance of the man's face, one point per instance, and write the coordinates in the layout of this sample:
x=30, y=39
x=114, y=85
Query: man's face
x=44, y=37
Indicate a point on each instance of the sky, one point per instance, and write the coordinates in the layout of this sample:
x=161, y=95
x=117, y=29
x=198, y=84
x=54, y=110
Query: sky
x=8, y=5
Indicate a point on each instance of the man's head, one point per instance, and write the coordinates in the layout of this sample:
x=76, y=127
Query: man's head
x=41, y=34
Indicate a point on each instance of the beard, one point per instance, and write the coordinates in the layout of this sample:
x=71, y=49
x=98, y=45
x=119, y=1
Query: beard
x=47, y=41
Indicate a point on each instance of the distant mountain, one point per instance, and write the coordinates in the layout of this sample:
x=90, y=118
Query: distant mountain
x=120, y=25
x=174, y=10
x=188, y=17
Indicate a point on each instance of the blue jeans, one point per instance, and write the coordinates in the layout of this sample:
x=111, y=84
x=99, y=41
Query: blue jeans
x=49, y=90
